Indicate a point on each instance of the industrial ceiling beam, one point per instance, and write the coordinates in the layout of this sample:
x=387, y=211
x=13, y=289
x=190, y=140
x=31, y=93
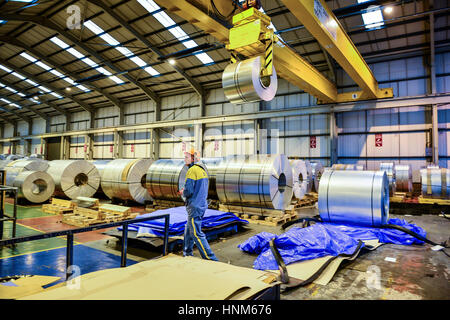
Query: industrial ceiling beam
x=26, y=107
x=28, y=93
x=21, y=117
x=320, y=21
x=287, y=62
x=51, y=87
x=44, y=22
x=194, y=84
x=424, y=101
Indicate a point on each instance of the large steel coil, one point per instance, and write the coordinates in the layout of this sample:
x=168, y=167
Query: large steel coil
x=34, y=186
x=403, y=178
x=435, y=183
x=310, y=176
x=100, y=165
x=317, y=171
x=300, y=178
x=354, y=197
x=125, y=179
x=340, y=166
x=211, y=166
x=255, y=180
x=389, y=168
x=74, y=178
x=165, y=178
x=4, y=163
x=13, y=168
x=241, y=82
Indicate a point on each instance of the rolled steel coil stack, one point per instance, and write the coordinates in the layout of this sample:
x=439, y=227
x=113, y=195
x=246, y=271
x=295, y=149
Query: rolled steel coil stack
x=354, y=197
x=125, y=179
x=317, y=171
x=211, y=165
x=255, y=181
x=100, y=165
x=165, y=177
x=435, y=182
x=403, y=178
x=300, y=178
x=29, y=176
x=389, y=168
x=74, y=178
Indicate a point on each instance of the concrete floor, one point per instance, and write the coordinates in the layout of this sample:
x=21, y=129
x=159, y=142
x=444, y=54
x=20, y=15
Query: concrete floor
x=417, y=273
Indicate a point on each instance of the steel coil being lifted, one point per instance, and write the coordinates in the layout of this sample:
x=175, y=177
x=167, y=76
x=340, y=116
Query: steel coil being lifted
x=317, y=171
x=165, y=178
x=300, y=178
x=389, y=168
x=74, y=178
x=354, y=197
x=125, y=179
x=241, y=82
x=255, y=180
x=403, y=178
x=435, y=183
x=34, y=186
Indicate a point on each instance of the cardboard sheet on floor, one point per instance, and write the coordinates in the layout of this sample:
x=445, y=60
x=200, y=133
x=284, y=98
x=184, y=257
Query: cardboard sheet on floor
x=25, y=286
x=168, y=278
x=305, y=269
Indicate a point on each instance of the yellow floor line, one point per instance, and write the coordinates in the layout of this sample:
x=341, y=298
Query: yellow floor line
x=61, y=237
x=22, y=254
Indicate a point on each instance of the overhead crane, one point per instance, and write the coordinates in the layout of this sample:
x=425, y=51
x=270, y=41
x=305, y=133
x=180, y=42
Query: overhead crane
x=251, y=39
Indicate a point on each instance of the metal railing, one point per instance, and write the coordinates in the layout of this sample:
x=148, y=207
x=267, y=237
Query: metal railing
x=71, y=232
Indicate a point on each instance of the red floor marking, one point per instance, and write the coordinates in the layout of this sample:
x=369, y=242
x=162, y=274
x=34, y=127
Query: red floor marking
x=53, y=223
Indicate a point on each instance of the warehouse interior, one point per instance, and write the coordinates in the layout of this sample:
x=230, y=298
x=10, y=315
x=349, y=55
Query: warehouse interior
x=323, y=127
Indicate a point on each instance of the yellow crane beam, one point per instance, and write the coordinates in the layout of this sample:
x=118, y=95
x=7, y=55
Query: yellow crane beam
x=287, y=62
x=320, y=21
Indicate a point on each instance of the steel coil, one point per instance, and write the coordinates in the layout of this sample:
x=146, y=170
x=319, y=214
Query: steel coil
x=14, y=157
x=435, y=183
x=4, y=163
x=340, y=166
x=310, y=176
x=100, y=165
x=125, y=179
x=300, y=178
x=165, y=178
x=241, y=82
x=211, y=166
x=389, y=168
x=34, y=186
x=255, y=180
x=403, y=178
x=74, y=178
x=13, y=168
x=354, y=197
x=317, y=171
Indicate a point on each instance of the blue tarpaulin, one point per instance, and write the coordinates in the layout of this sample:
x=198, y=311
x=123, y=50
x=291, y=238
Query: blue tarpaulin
x=323, y=239
x=178, y=219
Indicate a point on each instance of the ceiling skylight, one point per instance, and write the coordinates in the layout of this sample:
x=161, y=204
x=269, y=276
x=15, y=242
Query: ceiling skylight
x=176, y=31
x=10, y=103
x=373, y=18
x=125, y=51
x=34, y=84
x=53, y=71
x=86, y=60
x=11, y=89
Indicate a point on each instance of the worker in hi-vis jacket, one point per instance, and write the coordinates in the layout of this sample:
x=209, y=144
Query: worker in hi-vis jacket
x=195, y=193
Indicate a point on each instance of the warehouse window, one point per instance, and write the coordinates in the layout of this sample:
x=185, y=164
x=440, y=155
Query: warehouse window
x=53, y=71
x=373, y=18
x=34, y=84
x=86, y=60
x=126, y=52
x=176, y=31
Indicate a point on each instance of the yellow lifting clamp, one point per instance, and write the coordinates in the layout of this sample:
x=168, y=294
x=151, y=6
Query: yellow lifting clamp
x=250, y=37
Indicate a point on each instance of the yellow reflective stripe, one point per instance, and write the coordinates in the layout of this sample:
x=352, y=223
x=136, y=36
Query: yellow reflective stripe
x=201, y=244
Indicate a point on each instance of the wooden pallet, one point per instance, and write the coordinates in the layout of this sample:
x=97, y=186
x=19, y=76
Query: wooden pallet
x=92, y=202
x=268, y=221
x=306, y=201
x=58, y=206
x=443, y=202
x=83, y=217
x=263, y=212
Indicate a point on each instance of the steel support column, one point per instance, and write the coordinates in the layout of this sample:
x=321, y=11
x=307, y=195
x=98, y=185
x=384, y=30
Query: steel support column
x=88, y=147
x=154, y=137
x=118, y=145
x=333, y=139
x=65, y=148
